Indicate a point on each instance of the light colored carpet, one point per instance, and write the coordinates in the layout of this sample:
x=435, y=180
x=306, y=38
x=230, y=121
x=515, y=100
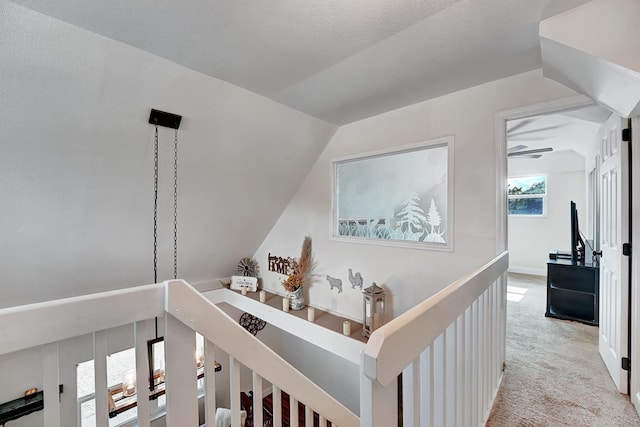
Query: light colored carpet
x=554, y=375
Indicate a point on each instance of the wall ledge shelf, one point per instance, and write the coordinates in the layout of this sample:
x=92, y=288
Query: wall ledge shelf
x=325, y=332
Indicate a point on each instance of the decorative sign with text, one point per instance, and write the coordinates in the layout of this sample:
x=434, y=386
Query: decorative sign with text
x=239, y=282
x=279, y=264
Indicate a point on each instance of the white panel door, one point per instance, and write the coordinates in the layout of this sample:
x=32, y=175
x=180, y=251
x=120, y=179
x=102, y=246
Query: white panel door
x=614, y=231
x=635, y=292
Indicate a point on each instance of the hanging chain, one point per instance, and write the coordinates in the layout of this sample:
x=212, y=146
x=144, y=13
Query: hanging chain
x=155, y=208
x=175, y=205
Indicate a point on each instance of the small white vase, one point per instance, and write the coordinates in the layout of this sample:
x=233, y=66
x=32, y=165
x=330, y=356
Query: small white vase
x=296, y=299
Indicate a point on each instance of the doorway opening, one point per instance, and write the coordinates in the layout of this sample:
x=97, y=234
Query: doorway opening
x=553, y=154
x=551, y=161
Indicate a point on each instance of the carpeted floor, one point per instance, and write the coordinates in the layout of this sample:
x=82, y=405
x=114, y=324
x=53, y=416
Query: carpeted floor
x=554, y=375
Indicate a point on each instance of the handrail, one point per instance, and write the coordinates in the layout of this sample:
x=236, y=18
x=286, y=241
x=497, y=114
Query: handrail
x=382, y=361
x=53, y=321
x=36, y=324
x=198, y=313
x=416, y=329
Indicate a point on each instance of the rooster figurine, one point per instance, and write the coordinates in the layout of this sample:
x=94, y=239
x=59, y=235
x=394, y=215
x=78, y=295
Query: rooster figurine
x=356, y=281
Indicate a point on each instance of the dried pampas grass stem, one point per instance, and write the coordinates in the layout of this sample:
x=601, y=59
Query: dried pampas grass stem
x=306, y=258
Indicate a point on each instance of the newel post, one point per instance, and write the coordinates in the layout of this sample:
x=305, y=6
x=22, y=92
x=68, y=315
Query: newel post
x=378, y=403
x=180, y=374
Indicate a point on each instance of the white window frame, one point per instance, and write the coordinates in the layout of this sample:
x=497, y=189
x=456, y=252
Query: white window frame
x=445, y=141
x=529, y=196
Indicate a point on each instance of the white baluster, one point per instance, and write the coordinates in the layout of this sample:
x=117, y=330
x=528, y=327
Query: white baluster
x=427, y=387
x=308, y=416
x=180, y=374
x=257, y=400
x=142, y=374
x=234, y=389
x=293, y=411
x=378, y=404
x=460, y=369
x=503, y=321
x=100, y=373
x=494, y=337
x=277, y=406
x=209, y=383
x=439, y=381
x=50, y=382
x=469, y=356
x=450, y=374
x=480, y=356
x=487, y=353
x=475, y=363
x=411, y=394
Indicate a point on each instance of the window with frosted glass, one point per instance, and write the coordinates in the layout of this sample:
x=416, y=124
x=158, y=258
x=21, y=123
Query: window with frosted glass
x=403, y=195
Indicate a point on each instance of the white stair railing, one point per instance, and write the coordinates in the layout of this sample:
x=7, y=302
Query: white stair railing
x=185, y=311
x=47, y=324
x=449, y=350
x=188, y=306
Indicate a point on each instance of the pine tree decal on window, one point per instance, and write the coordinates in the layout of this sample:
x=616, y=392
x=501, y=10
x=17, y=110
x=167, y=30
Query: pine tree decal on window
x=411, y=219
x=396, y=196
x=434, y=221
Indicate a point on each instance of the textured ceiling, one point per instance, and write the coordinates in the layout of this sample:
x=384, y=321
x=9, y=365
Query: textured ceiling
x=337, y=60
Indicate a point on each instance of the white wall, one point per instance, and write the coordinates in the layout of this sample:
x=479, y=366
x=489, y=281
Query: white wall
x=337, y=376
x=77, y=163
x=409, y=275
x=531, y=238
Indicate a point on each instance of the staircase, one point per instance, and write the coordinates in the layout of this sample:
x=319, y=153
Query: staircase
x=287, y=412
x=448, y=351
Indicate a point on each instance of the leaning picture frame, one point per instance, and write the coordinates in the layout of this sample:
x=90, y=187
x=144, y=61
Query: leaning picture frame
x=402, y=196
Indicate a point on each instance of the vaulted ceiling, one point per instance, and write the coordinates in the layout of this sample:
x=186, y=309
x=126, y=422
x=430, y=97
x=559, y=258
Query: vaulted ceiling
x=574, y=129
x=337, y=60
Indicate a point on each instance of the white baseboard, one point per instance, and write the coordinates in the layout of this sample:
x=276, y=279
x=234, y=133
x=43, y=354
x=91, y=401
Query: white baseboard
x=528, y=270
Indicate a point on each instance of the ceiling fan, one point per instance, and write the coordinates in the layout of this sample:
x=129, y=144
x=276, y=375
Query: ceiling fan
x=518, y=132
x=521, y=151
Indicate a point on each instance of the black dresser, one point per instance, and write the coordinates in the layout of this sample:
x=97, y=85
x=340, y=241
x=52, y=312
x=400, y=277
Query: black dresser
x=573, y=290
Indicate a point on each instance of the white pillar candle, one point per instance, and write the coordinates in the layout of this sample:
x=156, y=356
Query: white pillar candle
x=377, y=321
x=285, y=305
x=129, y=383
x=346, y=328
x=244, y=290
x=311, y=314
x=263, y=296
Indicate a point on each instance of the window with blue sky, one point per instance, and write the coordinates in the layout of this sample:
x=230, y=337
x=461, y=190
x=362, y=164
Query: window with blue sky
x=527, y=195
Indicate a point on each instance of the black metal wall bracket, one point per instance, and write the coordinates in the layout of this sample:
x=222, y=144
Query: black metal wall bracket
x=162, y=118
